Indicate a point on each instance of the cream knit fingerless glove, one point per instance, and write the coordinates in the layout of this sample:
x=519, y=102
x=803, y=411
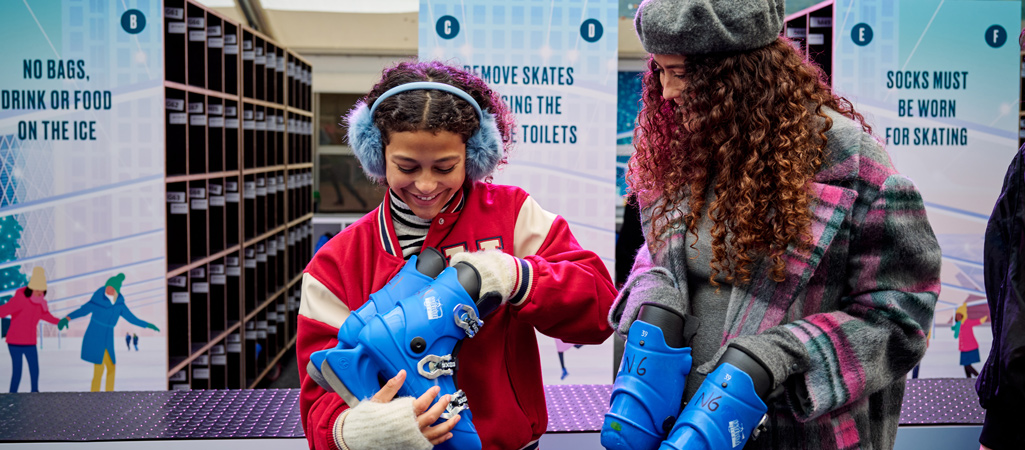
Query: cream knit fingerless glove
x=498, y=270
x=380, y=426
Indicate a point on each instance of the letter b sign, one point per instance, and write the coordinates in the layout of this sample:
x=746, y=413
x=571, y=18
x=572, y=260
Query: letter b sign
x=133, y=22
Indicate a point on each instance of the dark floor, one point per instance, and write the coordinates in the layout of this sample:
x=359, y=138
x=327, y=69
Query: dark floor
x=288, y=377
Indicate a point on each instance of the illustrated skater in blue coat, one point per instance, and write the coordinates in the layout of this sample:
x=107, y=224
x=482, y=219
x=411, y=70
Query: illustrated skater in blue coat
x=107, y=306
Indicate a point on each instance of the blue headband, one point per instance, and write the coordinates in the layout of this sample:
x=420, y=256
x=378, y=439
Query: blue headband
x=428, y=85
x=483, y=149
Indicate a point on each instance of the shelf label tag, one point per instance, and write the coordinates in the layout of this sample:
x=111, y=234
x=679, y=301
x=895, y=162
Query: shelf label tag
x=180, y=297
x=174, y=13
x=178, y=281
x=174, y=104
x=820, y=22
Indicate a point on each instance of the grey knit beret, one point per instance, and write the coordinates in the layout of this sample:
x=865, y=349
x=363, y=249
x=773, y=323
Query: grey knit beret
x=694, y=27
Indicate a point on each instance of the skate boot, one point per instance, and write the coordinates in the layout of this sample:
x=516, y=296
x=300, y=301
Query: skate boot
x=414, y=275
x=728, y=408
x=647, y=395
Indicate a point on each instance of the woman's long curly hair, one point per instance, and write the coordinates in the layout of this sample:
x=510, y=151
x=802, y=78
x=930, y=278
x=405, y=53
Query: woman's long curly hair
x=751, y=128
x=434, y=111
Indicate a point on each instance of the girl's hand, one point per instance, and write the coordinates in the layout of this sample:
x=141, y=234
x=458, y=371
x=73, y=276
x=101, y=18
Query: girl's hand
x=422, y=409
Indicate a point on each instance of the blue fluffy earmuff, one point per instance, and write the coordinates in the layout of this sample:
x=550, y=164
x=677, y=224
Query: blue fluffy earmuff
x=483, y=149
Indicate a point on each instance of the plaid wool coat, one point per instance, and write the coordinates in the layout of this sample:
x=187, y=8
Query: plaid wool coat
x=848, y=322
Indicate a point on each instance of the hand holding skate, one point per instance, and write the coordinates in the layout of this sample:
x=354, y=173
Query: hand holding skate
x=414, y=275
x=647, y=395
x=426, y=415
x=728, y=409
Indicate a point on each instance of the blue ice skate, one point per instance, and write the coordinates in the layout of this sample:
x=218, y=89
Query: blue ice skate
x=725, y=412
x=647, y=395
x=414, y=275
x=421, y=334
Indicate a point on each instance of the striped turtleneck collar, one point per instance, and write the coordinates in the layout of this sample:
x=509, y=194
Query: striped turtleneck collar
x=412, y=230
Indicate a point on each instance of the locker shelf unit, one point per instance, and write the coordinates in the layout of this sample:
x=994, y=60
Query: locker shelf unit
x=239, y=197
x=811, y=29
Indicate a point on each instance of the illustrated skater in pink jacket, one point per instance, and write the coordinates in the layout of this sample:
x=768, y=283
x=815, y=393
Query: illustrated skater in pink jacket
x=26, y=308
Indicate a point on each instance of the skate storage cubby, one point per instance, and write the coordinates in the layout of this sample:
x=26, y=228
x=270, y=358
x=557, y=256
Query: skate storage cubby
x=239, y=197
x=811, y=30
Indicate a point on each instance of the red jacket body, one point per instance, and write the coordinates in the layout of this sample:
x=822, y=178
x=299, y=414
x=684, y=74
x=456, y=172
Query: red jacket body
x=562, y=291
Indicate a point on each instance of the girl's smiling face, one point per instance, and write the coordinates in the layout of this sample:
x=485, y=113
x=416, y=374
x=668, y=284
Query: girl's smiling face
x=425, y=169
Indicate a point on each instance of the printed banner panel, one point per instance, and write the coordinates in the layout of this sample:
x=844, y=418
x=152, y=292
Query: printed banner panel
x=555, y=64
x=939, y=82
x=81, y=195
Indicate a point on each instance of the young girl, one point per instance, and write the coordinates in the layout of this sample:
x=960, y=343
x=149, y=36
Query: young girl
x=429, y=146
x=774, y=216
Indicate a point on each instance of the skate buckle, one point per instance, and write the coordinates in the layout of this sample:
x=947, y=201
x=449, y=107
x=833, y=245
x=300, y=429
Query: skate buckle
x=436, y=366
x=469, y=321
x=456, y=404
x=761, y=427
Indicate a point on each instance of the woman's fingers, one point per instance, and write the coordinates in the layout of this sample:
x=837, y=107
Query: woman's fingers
x=441, y=432
x=425, y=413
x=441, y=439
x=426, y=416
x=388, y=391
x=424, y=401
x=430, y=416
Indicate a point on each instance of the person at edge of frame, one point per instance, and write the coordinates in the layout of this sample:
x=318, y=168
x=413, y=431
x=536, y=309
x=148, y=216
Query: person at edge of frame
x=773, y=215
x=440, y=195
x=1001, y=384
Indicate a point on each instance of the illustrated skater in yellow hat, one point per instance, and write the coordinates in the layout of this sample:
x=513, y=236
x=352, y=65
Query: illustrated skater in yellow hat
x=107, y=305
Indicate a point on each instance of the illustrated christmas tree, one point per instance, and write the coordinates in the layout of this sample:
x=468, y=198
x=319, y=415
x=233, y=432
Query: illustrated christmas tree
x=10, y=229
x=10, y=234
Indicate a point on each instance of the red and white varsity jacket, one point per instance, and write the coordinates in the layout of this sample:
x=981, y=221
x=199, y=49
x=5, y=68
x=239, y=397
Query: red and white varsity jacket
x=562, y=291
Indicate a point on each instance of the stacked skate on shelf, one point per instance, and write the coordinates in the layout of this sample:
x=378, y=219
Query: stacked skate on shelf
x=239, y=197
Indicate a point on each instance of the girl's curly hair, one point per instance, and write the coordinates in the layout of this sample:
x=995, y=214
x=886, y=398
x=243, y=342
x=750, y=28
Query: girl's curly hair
x=434, y=111
x=750, y=126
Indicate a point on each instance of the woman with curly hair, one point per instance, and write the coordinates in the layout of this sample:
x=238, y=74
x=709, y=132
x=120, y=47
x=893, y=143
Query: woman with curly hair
x=433, y=135
x=773, y=216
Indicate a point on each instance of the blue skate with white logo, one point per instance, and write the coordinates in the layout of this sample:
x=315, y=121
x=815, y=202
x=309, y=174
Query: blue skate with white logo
x=414, y=275
x=648, y=393
x=726, y=411
x=420, y=335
